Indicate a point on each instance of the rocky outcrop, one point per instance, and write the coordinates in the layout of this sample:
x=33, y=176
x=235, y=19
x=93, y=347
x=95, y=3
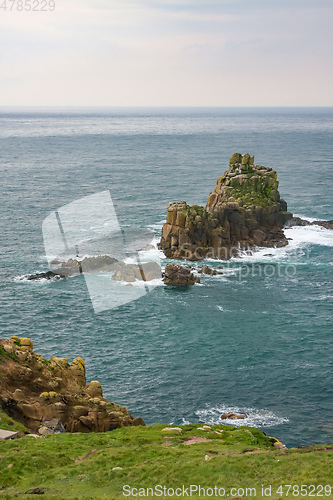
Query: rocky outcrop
x=34, y=390
x=121, y=271
x=297, y=221
x=179, y=276
x=70, y=267
x=244, y=210
x=131, y=272
x=87, y=265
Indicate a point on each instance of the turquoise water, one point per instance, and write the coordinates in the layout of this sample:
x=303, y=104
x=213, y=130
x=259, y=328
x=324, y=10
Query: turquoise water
x=257, y=338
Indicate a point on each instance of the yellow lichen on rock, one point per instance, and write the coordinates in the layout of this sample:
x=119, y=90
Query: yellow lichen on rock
x=78, y=363
x=62, y=361
x=26, y=342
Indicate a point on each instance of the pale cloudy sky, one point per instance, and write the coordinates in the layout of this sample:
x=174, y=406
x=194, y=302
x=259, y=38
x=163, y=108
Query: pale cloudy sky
x=168, y=53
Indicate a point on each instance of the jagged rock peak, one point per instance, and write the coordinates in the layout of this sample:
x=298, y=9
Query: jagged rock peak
x=244, y=210
x=246, y=184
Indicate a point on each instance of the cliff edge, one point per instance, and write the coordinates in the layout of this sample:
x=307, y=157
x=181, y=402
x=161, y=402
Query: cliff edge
x=34, y=391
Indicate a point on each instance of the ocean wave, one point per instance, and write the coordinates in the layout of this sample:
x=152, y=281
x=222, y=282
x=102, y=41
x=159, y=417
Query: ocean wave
x=142, y=284
x=152, y=254
x=255, y=418
x=300, y=239
x=309, y=235
x=220, y=308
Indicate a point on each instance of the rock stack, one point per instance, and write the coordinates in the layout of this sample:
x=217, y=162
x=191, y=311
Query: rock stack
x=244, y=210
x=36, y=391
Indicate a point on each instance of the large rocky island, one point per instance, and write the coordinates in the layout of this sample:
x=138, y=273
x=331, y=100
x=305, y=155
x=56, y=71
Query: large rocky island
x=244, y=210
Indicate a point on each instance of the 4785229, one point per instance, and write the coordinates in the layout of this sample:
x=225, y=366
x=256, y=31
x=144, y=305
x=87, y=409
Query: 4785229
x=304, y=490
x=27, y=5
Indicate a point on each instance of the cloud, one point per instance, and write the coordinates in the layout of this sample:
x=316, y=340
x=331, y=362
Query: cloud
x=112, y=52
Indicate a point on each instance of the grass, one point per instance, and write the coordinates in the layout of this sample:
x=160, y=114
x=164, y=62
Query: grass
x=4, y=354
x=80, y=466
x=8, y=424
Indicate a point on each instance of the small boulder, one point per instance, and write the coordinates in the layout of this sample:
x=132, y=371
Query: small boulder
x=171, y=429
x=4, y=435
x=138, y=421
x=53, y=426
x=233, y=416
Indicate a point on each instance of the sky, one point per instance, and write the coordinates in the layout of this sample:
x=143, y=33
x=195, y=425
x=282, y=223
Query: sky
x=166, y=53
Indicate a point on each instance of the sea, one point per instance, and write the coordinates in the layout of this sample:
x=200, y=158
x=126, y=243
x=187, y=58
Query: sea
x=255, y=338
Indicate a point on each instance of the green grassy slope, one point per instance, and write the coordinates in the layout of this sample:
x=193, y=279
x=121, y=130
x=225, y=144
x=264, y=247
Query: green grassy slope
x=82, y=466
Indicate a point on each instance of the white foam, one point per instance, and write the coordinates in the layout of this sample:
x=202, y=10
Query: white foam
x=158, y=226
x=140, y=283
x=305, y=217
x=25, y=279
x=152, y=254
x=301, y=239
x=220, y=308
x=309, y=235
x=255, y=418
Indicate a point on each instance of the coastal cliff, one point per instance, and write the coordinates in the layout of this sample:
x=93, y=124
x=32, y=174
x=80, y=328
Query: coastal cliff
x=34, y=391
x=244, y=210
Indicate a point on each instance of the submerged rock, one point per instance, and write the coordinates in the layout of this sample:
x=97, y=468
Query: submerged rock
x=244, y=210
x=297, y=221
x=209, y=270
x=233, y=416
x=43, y=276
x=35, y=391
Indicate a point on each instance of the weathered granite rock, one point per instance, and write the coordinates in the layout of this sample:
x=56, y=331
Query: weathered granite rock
x=53, y=426
x=87, y=265
x=244, y=210
x=297, y=221
x=131, y=272
x=62, y=269
x=178, y=275
x=327, y=224
x=35, y=391
x=138, y=421
x=4, y=435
